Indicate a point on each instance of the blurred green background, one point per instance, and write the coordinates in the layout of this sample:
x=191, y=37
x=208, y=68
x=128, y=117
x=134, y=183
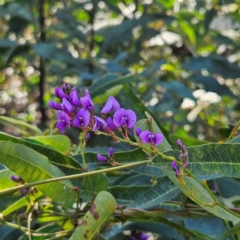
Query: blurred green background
x=184, y=56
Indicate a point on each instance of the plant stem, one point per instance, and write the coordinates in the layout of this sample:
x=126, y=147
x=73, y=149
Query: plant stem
x=233, y=131
x=80, y=175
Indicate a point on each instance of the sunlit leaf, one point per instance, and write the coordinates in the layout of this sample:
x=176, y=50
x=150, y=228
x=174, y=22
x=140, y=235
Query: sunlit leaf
x=95, y=217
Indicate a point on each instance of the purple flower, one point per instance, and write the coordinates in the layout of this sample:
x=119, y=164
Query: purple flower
x=88, y=135
x=16, y=178
x=138, y=131
x=185, y=164
x=66, y=88
x=87, y=102
x=138, y=235
x=124, y=118
x=67, y=106
x=183, y=156
x=175, y=168
x=110, y=152
x=179, y=143
x=73, y=98
x=63, y=120
x=101, y=158
x=98, y=123
x=152, y=138
x=82, y=118
x=111, y=104
x=55, y=105
x=24, y=192
x=174, y=165
x=58, y=92
x=110, y=124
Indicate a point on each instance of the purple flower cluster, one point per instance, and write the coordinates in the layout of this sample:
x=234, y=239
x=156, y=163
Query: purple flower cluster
x=77, y=109
x=183, y=157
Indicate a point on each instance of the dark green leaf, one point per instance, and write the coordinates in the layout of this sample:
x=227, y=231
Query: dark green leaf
x=212, y=85
x=144, y=197
x=32, y=166
x=178, y=89
x=108, y=81
x=228, y=187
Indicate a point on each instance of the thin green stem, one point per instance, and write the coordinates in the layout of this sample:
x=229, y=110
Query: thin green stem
x=170, y=158
x=233, y=131
x=80, y=175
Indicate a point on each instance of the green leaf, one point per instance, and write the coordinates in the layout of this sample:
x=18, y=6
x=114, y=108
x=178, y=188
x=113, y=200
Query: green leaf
x=211, y=84
x=95, y=184
x=200, y=193
x=209, y=159
x=19, y=204
x=113, y=91
x=102, y=208
x=235, y=139
x=5, y=179
x=232, y=231
x=188, y=30
x=145, y=197
x=20, y=124
x=213, y=64
x=52, y=154
x=178, y=89
x=108, y=81
x=32, y=166
x=129, y=100
x=59, y=142
x=188, y=141
x=166, y=229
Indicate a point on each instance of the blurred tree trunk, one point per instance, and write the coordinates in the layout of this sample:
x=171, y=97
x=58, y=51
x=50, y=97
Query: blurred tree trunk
x=42, y=39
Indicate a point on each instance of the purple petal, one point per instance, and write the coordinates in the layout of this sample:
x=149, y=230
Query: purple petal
x=82, y=118
x=132, y=118
x=144, y=136
x=15, y=178
x=63, y=120
x=158, y=138
x=98, y=123
x=185, y=164
x=174, y=165
x=61, y=126
x=111, y=104
x=101, y=158
x=87, y=102
x=67, y=106
x=110, y=152
x=117, y=117
x=73, y=98
x=55, y=105
x=179, y=143
x=66, y=87
x=138, y=131
x=23, y=192
x=88, y=135
x=110, y=124
x=58, y=92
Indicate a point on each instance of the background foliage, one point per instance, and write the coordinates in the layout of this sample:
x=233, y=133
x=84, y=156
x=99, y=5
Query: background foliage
x=178, y=60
